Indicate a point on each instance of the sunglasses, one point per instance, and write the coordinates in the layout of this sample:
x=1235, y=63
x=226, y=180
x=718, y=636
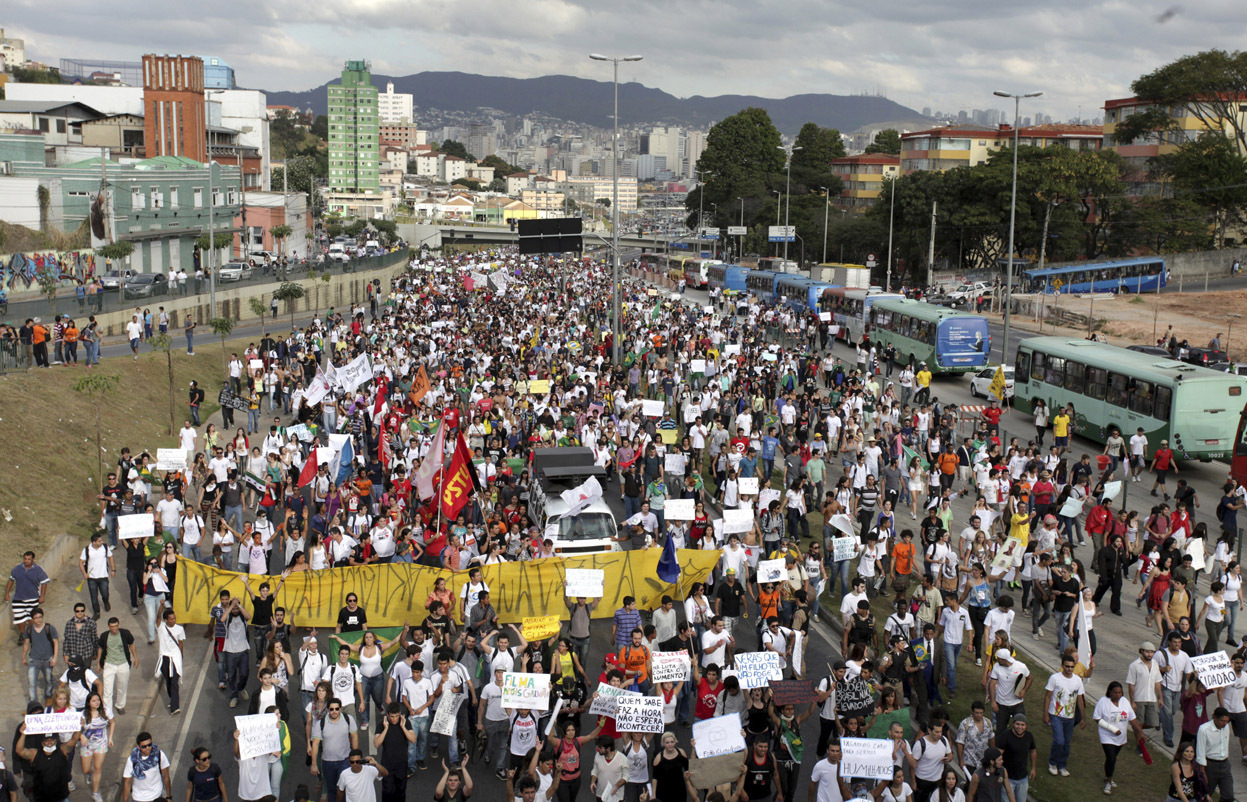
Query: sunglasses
x=147, y=745
x=204, y=759
x=356, y=762
x=334, y=709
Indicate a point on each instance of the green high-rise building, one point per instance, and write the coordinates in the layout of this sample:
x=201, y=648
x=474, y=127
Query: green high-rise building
x=354, y=131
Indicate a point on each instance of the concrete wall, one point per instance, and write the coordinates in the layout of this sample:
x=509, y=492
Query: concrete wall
x=341, y=290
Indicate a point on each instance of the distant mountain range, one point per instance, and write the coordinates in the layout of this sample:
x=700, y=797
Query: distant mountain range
x=586, y=101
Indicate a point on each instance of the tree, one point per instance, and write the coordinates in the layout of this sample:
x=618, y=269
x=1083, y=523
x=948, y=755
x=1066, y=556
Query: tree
x=1210, y=171
x=31, y=75
x=1208, y=86
x=501, y=168
x=220, y=239
x=886, y=141
x=741, y=159
x=96, y=386
x=387, y=227
x=116, y=251
x=300, y=173
x=497, y=185
x=44, y=199
x=49, y=282
x=288, y=293
x=452, y=147
x=163, y=342
x=257, y=307
x=320, y=127
x=471, y=183
x=353, y=228
x=280, y=233
x=221, y=327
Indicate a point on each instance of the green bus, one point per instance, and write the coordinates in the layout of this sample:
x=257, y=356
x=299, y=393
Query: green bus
x=947, y=340
x=1194, y=408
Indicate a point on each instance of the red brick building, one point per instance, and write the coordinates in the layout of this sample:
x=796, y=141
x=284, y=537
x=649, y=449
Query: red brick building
x=173, y=106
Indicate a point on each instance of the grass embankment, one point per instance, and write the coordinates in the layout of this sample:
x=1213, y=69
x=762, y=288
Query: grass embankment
x=48, y=477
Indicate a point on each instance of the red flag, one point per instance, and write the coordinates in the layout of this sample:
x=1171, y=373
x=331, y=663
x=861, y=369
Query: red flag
x=309, y=468
x=459, y=483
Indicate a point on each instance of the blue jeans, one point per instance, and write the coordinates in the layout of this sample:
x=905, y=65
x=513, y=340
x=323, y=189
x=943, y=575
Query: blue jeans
x=682, y=702
x=1231, y=617
x=374, y=688
x=331, y=770
x=843, y=568
x=192, y=553
x=1020, y=787
x=631, y=506
x=235, y=513
x=1062, y=736
x=253, y=421
x=768, y=465
x=152, y=603
x=1072, y=528
x=190, y=343
x=110, y=525
x=32, y=676
x=417, y=749
x=1170, y=700
x=1062, y=630
x=236, y=672
x=952, y=653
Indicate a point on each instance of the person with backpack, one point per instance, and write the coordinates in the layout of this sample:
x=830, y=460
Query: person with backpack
x=40, y=647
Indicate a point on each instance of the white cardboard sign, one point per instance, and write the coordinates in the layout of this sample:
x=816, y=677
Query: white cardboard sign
x=607, y=697
x=587, y=582
x=719, y=736
x=866, y=757
x=258, y=735
x=170, y=459
x=758, y=669
x=1214, y=670
x=669, y=666
x=44, y=723
x=529, y=691
x=639, y=714
x=132, y=526
x=739, y=521
x=680, y=509
x=771, y=570
x=747, y=485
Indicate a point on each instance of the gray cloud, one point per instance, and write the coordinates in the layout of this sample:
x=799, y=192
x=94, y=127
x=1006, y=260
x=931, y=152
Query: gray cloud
x=943, y=55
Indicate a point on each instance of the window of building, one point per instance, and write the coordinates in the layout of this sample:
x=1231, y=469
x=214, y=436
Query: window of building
x=60, y=126
x=136, y=199
x=43, y=125
x=197, y=198
x=173, y=197
x=157, y=198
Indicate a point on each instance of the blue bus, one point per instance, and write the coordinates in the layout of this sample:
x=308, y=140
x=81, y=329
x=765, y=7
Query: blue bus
x=800, y=292
x=762, y=284
x=1120, y=275
x=730, y=279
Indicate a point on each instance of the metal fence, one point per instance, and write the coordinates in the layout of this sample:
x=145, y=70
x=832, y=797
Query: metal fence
x=67, y=302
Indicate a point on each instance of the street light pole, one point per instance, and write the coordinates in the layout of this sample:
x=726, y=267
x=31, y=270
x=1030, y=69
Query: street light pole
x=618, y=292
x=788, y=194
x=887, y=284
x=826, y=208
x=740, y=240
x=1013, y=205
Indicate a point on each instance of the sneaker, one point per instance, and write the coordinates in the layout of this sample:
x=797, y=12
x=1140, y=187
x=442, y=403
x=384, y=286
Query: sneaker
x=175, y=712
x=420, y=764
x=1108, y=788
x=95, y=797
x=245, y=696
x=978, y=661
x=1052, y=770
x=1064, y=772
x=1113, y=783
x=220, y=686
x=1153, y=492
x=1139, y=603
x=121, y=711
x=501, y=774
x=815, y=620
x=233, y=702
x=72, y=786
x=134, y=611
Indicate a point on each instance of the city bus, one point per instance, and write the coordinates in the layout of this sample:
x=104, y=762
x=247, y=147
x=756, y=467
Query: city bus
x=695, y=272
x=762, y=284
x=673, y=266
x=850, y=309
x=777, y=264
x=1121, y=275
x=1238, y=463
x=946, y=340
x=1196, y=409
x=799, y=292
x=729, y=279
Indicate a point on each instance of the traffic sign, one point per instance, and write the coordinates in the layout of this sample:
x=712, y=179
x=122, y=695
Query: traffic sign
x=871, y=260
x=737, y=231
x=1057, y=284
x=709, y=233
x=782, y=233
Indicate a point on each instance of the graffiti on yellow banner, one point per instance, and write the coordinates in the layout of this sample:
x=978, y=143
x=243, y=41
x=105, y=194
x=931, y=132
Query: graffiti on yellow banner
x=392, y=594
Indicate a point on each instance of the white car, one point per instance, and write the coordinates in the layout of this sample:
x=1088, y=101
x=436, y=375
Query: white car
x=981, y=382
x=234, y=271
x=968, y=292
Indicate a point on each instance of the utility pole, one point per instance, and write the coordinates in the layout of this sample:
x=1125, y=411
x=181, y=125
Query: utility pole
x=931, y=246
x=887, y=285
x=1013, y=204
x=826, y=208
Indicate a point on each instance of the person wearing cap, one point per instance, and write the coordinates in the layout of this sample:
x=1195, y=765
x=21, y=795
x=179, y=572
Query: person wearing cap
x=1163, y=463
x=989, y=781
x=1007, y=685
x=1143, y=686
x=1017, y=747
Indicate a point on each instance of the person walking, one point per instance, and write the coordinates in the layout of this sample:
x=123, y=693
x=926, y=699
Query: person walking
x=1113, y=716
x=1212, y=753
x=116, y=655
x=146, y=772
x=1064, y=702
x=171, y=637
x=27, y=584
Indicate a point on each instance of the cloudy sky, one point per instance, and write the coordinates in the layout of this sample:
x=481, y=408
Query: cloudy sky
x=949, y=55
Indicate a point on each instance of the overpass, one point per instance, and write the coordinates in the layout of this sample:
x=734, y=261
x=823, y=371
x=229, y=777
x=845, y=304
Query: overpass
x=435, y=235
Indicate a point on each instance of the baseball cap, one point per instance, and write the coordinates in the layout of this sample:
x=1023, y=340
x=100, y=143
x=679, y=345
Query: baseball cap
x=1004, y=654
x=1147, y=646
x=731, y=572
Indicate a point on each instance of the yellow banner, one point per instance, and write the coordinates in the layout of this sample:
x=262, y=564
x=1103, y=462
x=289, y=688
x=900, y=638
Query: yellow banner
x=395, y=594
x=541, y=627
x=539, y=386
x=669, y=436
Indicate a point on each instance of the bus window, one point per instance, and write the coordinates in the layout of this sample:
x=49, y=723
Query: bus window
x=1037, y=368
x=1097, y=381
x=1161, y=403
x=1141, y=399
x=1054, y=374
x=1117, y=389
x=1022, y=368
x=1074, y=375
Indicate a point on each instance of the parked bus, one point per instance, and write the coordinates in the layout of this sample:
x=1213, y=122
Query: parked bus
x=695, y=272
x=1238, y=462
x=1196, y=409
x=799, y=292
x=762, y=284
x=850, y=309
x=1122, y=275
x=729, y=279
x=946, y=340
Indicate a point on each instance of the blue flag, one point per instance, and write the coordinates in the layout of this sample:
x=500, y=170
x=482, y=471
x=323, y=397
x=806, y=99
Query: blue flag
x=344, y=463
x=668, y=565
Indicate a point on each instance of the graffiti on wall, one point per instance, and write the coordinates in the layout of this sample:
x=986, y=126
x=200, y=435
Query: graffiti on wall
x=75, y=266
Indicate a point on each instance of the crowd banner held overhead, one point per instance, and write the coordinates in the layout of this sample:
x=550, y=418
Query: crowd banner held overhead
x=771, y=570
x=680, y=509
x=1008, y=556
x=882, y=722
x=639, y=714
x=258, y=735
x=353, y=374
x=445, y=720
x=669, y=666
x=540, y=627
x=793, y=692
x=132, y=526
x=1214, y=670
x=44, y=723
x=719, y=736
x=586, y=582
x=395, y=593
x=526, y=691
x=866, y=757
x=1195, y=548
x=170, y=459
x=607, y=698
x=757, y=669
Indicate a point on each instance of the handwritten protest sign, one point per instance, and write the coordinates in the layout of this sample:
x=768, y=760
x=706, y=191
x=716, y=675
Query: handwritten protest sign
x=866, y=757
x=771, y=570
x=170, y=459
x=539, y=387
x=706, y=773
x=674, y=463
x=747, y=485
x=680, y=509
x=758, y=669
x=843, y=548
x=44, y=723
x=257, y=735
x=669, y=666
x=531, y=691
x=639, y=714
x=793, y=692
x=697, y=366
x=132, y=526
x=718, y=736
x=653, y=408
x=587, y=582
x=739, y=521
x=540, y=627
x=731, y=349
x=607, y=697
x=1214, y=670
x=445, y=721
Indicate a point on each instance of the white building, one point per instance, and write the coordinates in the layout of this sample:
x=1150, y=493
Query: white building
x=453, y=167
x=12, y=53
x=394, y=107
x=107, y=100
x=244, y=111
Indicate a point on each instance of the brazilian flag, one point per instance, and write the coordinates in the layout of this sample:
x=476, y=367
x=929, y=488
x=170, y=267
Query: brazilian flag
x=384, y=634
x=910, y=454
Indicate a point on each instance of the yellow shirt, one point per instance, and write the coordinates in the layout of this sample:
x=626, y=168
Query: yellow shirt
x=1020, y=527
x=924, y=378
x=1060, y=426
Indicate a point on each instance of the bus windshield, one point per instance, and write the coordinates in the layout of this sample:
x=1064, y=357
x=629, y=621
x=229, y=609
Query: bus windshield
x=962, y=342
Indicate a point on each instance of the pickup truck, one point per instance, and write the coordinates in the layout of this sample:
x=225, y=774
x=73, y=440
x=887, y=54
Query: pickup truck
x=965, y=293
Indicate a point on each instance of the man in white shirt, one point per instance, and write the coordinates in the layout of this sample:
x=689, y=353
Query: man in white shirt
x=186, y=438
x=848, y=605
x=153, y=765
x=312, y=664
x=97, y=566
x=1007, y=686
x=1138, y=451
x=170, y=635
x=826, y=784
x=1064, y=700
x=1232, y=698
x=417, y=695
x=1175, y=668
x=134, y=333
x=1143, y=686
x=169, y=510
x=359, y=782
x=715, y=643
x=220, y=466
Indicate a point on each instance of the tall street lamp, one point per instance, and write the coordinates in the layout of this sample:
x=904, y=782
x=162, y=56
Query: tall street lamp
x=740, y=240
x=618, y=329
x=887, y=284
x=1013, y=205
x=788, y=192
x=826, y=208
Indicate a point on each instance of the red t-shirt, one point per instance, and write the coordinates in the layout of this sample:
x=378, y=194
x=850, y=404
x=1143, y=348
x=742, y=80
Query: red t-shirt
x=1163, y=456
x=707, y=700
x=993, y=415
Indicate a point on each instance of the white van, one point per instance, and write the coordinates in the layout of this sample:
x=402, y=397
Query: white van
x=594, y=529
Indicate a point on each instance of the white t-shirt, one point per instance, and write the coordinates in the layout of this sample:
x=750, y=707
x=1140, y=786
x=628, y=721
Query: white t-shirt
x=187, y=437
x=1007, y=679
x=708, y=655
x=998, y=619
x=1216, y=609
x=1232, y=696
x=1138, y=445
x=930, y=758
x=78, y=692
x=134, y=331
x=97, y=560
x=417, y=693
x=342, y=679
x=151, y=786
x=253, y=777
x=1119, y=715
x=169, y=510
x=954, y=632
x=827, y=775
x=358, y=786
x=1065, y=693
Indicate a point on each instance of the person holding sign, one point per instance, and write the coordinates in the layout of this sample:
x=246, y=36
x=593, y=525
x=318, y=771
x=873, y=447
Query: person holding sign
x=50, y=766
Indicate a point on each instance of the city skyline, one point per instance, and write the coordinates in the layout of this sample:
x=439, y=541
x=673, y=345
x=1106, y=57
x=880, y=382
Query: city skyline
x=942, y=57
